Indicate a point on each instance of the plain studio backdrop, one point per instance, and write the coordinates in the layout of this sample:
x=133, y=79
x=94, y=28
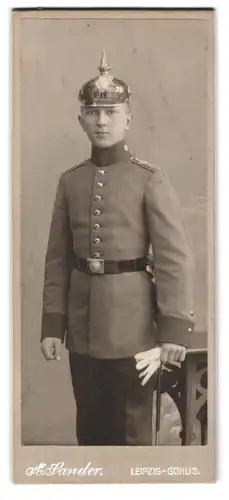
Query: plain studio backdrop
x=165, y=64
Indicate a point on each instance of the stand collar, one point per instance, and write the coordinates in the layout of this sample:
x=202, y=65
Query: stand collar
x=107, y=156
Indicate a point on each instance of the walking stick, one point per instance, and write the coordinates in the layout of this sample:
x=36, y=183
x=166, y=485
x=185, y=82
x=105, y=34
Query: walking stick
x=158, y=406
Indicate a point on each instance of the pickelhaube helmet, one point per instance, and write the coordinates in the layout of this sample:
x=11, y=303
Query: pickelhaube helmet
x=104, y=89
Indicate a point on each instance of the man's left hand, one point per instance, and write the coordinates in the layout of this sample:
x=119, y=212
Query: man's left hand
x=172, y=352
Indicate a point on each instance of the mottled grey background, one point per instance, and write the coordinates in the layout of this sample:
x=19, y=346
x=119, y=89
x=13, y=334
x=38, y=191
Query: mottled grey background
x=165, y=63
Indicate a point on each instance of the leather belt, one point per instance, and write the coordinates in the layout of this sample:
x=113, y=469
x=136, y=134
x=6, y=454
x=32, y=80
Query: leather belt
x=101, y=266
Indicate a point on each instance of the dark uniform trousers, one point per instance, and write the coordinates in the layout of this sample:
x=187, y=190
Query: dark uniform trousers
x=113, y=408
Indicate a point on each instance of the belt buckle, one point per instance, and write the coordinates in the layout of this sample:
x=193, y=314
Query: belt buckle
x=95, y=266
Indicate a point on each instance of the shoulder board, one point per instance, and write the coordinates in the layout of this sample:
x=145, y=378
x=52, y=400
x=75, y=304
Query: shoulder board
x=76, y=166
x=144, y=164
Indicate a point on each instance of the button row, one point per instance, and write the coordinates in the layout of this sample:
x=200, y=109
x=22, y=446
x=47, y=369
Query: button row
x=96, y=211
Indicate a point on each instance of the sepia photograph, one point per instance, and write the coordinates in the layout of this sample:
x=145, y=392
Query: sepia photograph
x=113, y=183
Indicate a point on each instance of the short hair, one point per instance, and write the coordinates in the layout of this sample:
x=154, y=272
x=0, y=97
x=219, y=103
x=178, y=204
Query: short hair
x=129, y=107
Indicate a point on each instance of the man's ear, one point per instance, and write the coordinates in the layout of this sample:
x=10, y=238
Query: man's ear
x=81, y=122
x=128, y=121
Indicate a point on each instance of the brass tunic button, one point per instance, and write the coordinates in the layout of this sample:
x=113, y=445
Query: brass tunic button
x=96, y=240
x=101, y=171
x=96, y=226
x=96, y=211
x=97, y=197
x=100, y=184
x=96, y=255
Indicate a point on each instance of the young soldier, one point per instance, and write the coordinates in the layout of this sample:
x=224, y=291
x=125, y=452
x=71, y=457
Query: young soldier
x=98, y=295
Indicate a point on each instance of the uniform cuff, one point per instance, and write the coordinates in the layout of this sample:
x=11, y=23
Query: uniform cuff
x=174, y=330
x=53, y=325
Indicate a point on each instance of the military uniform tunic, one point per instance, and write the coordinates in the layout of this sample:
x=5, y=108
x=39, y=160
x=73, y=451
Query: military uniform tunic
x=113, y=206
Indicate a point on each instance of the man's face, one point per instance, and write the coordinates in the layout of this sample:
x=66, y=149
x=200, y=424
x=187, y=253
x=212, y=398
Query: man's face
x=105, y=126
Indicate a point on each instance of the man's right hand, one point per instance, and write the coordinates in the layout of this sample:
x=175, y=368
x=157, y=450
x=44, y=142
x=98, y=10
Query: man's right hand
x=51, y=348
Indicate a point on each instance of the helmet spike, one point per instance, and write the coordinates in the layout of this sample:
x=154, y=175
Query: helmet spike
x=104, y=68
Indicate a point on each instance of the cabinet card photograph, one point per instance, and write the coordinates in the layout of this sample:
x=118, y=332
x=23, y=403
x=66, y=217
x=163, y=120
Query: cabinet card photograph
x=113, y=245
